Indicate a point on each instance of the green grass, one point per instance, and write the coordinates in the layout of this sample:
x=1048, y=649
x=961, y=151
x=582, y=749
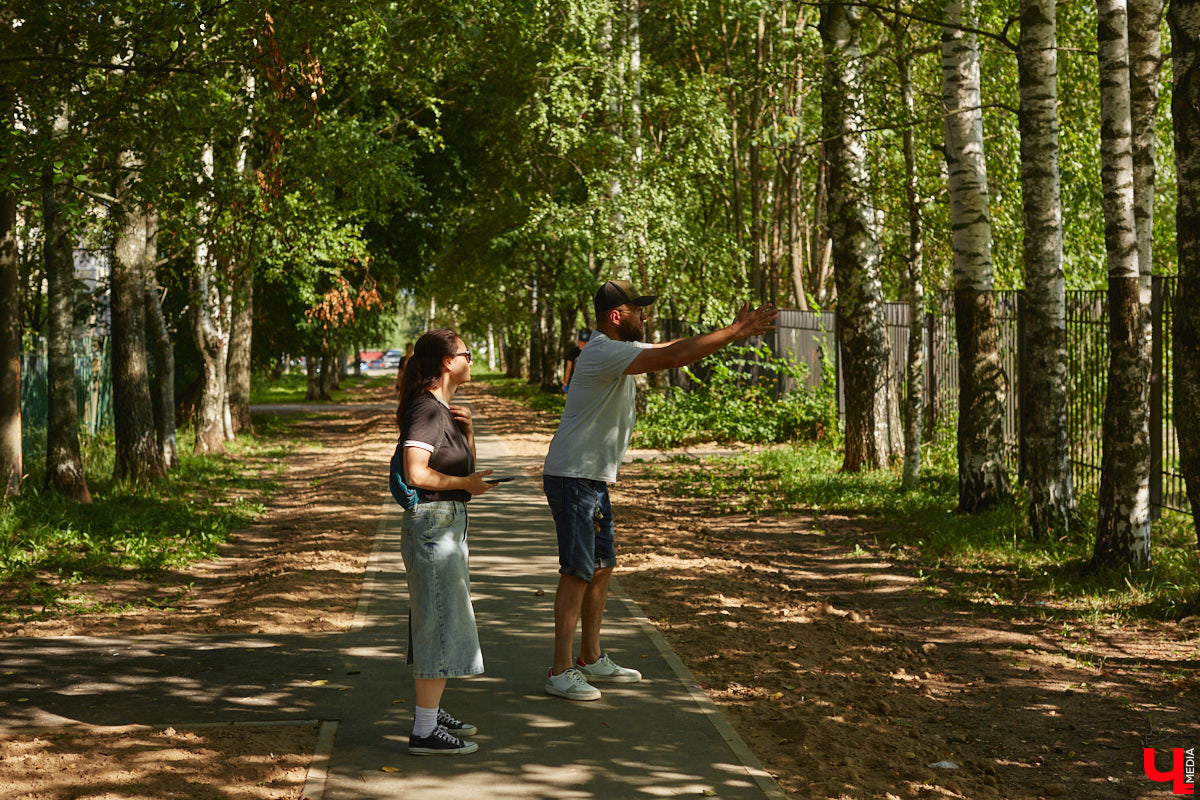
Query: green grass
x=292, y=387
x=49, y=544
x=984, y=560
x=520, y=391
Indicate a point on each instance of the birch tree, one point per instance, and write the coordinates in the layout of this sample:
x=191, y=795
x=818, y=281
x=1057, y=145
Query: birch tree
x=1123, y=534
x=240, y=336
x=10, y=350
x=242, y=285
x=211, y=312
x=1184, y=17
x=870, y=433
x=11, y=456
x=1051, y=494
x=914, y=394
x=982, y=481
x=1145, y=66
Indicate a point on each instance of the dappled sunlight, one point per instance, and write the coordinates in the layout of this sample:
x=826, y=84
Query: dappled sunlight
x=627, y=744
x=847, y=674
x=851, y=674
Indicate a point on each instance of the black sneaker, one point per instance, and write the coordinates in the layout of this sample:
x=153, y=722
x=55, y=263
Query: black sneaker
x=440, y=743
x=455, y=726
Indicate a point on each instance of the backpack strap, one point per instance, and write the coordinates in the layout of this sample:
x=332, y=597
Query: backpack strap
x=404, y=494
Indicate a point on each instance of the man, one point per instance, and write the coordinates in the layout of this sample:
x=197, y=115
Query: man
x=584, y=455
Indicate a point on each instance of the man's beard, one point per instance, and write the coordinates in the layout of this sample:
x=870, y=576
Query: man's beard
x=630, y=332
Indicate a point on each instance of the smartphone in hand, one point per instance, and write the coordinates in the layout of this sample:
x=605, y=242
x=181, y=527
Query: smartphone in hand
x=494, y=481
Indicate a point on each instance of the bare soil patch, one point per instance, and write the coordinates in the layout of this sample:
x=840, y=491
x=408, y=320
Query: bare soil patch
x=847, y=674
x=234, y=763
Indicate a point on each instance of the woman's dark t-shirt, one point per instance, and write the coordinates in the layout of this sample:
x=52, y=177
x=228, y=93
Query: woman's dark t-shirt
x=430, y=426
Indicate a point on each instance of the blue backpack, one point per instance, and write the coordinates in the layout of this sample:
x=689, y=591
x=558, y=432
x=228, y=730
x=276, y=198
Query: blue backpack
x=404, y=494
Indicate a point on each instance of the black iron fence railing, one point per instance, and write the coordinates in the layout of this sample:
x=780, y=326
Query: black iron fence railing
x=811, y=338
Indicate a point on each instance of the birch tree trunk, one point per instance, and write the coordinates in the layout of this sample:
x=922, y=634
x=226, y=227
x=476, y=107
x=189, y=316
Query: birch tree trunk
x=238, y=376
x=1123, y=534
x=328, y=375
x=982, y=481
x=1184, y=18
x=795, y=242
x=210, y=325
x=543, y=345
x=735, y=160
x=242, y=295
x=611, y=38
x=820, y=259
x=914, y=396
x=1053, y=508
x=551, y=360
x=869, y=440
x=757, y=173
x=312, y=372
x=11, y=455
x=11, y=463
x=794, y=106
x=537, y=333
x=163, y=385
x=64, y=462
x=1145, y=65
x=137, y=454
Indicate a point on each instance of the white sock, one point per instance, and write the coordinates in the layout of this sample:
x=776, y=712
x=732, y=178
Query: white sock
x=426, y=721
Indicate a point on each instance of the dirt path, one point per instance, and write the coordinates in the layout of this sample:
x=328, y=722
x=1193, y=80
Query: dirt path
x=847, y=675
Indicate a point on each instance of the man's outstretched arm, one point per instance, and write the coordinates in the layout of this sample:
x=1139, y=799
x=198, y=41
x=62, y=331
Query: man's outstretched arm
x=749, y=322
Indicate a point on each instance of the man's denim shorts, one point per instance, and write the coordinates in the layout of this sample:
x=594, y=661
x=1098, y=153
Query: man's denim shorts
x=442, y=639
x=584, y=522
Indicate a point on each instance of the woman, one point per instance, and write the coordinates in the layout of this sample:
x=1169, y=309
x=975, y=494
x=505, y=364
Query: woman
x=439, y=462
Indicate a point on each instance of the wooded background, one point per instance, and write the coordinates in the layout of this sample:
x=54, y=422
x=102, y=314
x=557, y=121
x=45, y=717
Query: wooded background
x=271, y=184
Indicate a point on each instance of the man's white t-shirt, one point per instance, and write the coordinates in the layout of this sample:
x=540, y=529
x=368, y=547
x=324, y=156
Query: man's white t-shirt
x=597, y=420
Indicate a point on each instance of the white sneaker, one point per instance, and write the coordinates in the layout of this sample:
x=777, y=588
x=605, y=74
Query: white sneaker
x=605, y=669
x=570, y=684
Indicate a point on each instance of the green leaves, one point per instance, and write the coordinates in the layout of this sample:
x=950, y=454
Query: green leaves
x=736, y=402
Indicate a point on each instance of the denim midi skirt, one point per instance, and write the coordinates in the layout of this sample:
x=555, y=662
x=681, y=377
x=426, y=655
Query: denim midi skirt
x=442, y=639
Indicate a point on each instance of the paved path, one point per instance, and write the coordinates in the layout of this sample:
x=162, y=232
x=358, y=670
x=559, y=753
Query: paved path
x=658, y=738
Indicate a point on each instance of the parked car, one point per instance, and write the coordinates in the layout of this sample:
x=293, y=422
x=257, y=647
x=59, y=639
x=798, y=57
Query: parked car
x=392, y=358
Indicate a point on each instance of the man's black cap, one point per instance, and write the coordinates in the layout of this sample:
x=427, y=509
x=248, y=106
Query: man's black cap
x=619, y=293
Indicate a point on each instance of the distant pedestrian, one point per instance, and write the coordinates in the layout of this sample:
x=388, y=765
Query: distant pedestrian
x=597, y=423
x=572, y=354
x=408, y=352
x=439, y=462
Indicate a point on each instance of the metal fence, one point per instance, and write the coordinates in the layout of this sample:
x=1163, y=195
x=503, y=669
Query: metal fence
x=93, y=386
x=811, y=337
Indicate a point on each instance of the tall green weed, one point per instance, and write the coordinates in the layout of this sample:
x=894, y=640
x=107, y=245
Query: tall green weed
x=737, y=401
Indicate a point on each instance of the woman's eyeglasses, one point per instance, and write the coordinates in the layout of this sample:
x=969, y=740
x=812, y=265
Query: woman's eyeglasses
x=466, y=353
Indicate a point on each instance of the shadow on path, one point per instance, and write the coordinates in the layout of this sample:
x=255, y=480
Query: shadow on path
x=658, y=738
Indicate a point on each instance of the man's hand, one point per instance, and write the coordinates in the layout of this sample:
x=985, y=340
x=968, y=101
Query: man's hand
x=754, y=323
